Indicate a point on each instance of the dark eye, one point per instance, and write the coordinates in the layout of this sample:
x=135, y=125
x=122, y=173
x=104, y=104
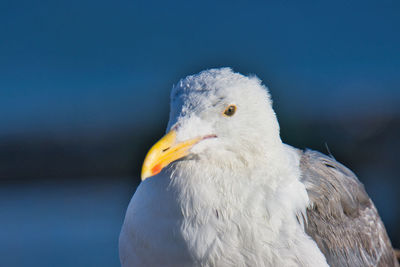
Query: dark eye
x=230, y=110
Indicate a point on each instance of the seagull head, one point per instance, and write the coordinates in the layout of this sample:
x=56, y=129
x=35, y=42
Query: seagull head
x=217, y=116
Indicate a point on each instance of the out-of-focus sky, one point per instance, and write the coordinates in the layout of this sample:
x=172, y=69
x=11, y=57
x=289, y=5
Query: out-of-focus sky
x=84, y=66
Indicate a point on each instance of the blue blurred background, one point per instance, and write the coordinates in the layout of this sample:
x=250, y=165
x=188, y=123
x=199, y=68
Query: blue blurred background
x=84, y=92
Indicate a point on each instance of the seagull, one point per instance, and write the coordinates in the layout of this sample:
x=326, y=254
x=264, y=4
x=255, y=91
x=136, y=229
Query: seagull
x=222, y=189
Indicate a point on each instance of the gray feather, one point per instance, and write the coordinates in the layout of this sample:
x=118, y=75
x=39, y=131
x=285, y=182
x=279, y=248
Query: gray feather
x=342, y=219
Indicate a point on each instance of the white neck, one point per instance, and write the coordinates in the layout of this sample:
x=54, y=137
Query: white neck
x=232, y=206
x=226, y=218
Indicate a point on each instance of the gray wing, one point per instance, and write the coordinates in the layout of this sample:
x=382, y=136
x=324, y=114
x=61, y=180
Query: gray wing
x=341, y=218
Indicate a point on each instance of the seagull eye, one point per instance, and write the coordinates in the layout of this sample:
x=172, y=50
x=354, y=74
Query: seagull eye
x=230, y=110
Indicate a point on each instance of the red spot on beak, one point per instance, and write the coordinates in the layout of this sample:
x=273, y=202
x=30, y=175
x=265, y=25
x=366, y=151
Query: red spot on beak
x=156, y=169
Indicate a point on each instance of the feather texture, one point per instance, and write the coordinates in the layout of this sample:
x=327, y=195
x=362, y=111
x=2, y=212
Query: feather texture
x=341, y=217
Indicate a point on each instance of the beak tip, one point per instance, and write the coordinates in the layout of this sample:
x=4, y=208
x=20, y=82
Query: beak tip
x=144, y=175
x=155, y=170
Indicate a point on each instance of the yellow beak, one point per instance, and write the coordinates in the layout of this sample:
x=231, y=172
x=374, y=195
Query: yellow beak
x=164, y=152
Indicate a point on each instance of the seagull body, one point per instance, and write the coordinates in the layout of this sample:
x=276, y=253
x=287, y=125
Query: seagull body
x=224, y=190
